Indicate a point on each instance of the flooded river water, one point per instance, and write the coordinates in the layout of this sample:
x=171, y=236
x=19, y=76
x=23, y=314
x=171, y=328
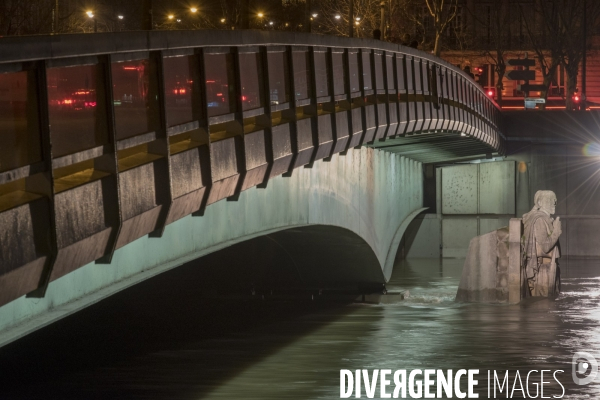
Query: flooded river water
x=262, y=355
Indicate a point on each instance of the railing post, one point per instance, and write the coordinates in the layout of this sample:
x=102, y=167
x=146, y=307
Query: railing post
x=200, y=113
x=110, y=163
x=239, y=116
x=267, y=105
x=43, y=183
x=161, y=144
x=294, y=131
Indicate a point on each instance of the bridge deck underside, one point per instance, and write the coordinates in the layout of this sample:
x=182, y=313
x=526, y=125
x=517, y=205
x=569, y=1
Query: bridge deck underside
x=436, y=148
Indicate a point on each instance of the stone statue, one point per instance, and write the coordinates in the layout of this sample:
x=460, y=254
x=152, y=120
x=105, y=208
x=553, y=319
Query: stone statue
x=539, y=248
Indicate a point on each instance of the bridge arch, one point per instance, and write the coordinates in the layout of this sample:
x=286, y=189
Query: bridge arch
x=360, y=203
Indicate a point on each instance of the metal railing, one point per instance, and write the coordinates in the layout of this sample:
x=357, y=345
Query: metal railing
x=110, y=137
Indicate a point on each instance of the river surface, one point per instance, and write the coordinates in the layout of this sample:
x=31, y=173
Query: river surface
x=300, y=356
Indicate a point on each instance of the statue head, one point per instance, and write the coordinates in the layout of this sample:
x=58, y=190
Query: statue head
x=545, y=200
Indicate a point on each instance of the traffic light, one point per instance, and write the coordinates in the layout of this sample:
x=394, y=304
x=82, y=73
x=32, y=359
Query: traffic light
x=576, y=97
x=482, y=75
x=576, y=100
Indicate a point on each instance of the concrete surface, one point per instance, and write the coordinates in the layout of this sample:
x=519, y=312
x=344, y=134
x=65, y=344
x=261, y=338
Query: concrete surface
x=372, y=193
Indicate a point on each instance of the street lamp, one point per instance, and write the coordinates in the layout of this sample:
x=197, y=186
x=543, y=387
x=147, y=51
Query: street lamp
x=193, y=9
x=120, y=16
x=90, y=14
x=337, y=16
x=260, y=16
x=171, y=16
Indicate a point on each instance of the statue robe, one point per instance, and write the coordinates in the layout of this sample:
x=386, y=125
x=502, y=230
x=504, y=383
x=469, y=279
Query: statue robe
x=538, y=243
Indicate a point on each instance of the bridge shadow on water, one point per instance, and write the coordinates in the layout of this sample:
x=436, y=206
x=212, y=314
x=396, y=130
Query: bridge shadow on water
x=191, y=314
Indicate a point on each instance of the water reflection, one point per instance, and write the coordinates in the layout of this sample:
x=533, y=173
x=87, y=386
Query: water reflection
x=300, y=358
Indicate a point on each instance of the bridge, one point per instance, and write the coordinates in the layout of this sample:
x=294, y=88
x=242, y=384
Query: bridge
x=126, y=154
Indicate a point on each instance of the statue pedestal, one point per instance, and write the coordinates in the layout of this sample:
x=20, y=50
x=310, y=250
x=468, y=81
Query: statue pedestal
x=492, y=270
x=485, y=277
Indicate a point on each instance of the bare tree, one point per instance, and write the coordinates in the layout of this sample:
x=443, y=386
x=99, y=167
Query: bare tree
x=230, y=13
x=442, y=12
x=559, y=38
x=545, y=41
x=334, y=14
x=571, y=31
x=495, y=41
x=25, y=17
x=433, y=16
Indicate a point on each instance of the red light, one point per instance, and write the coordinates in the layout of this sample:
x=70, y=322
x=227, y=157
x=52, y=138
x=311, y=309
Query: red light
x=90, y=104
x=490, y=93
x=576, y=98
x=130, y=68
x=210, y=81
x=68, y=101
x=181, y=91
x=219, y=94
x=244, y=98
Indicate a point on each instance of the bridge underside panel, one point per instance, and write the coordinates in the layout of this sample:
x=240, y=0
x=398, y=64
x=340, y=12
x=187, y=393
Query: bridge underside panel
x=436, y=148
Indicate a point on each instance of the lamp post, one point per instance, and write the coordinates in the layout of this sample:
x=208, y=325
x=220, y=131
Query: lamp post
x=244, y=14
x=382, y=22
x=90, y=14
x=147, y=18
x=55, y=17
x=307, y=17
x=584, y=60
x=351, y=19
x=260, y=16
x=195, y=22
